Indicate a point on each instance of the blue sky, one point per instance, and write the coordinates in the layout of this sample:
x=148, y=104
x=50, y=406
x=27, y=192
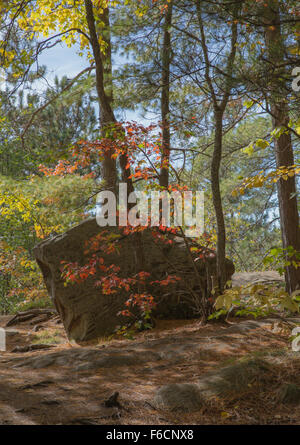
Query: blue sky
x=63, y=61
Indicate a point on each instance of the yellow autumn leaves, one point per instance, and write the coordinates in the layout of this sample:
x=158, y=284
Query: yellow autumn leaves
x=259, y=143
x=64, y=17
x=261, y=179
x=10, y=204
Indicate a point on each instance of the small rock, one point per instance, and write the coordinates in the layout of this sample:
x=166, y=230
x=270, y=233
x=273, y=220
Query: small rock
x=50, y=402
x=179, y=397
x=112, y=401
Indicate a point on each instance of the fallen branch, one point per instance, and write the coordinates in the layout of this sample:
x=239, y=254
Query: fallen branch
x=31, y=348
x=21, y=317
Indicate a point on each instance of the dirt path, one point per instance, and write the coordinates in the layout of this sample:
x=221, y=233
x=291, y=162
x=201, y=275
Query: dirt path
x=68, y=384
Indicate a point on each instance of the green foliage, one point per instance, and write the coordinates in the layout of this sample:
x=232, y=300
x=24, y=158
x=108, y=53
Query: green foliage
x=34, y=207
x=279, y=258
x=252, y=225
x=43, y=205
x=48, y=337
x=60, y=125
x=257, y=300
x=31, y=210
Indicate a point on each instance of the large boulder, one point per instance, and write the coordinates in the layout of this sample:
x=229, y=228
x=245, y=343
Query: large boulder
x=87, y=313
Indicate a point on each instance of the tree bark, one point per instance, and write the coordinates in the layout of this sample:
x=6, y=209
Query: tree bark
x=107, y=56
x=217, y=198
x=105, y=94
x=286, y=190
x=165, y=98
x=219, y=107
x=107, y=118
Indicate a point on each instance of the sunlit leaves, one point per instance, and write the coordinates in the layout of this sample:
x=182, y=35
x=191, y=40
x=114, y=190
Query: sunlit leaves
x=41, y=202
x=259, y=143
x=249, y=150
x=262, y=179
x=66, y=18
x=256, y=300
x=262, y=144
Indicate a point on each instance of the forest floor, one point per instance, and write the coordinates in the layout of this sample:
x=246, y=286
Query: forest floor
x=69, y=384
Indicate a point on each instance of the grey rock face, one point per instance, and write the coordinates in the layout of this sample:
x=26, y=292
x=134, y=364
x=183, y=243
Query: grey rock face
x=87, y=313
x=184, y=397
x=235, y=379
x=232, y=380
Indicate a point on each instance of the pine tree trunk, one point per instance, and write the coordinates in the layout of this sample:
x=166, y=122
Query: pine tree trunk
x=287, y=198
x=107, y=56
x=165, y=98
x=217, y=199
x=287, y=193
x=219, y=111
